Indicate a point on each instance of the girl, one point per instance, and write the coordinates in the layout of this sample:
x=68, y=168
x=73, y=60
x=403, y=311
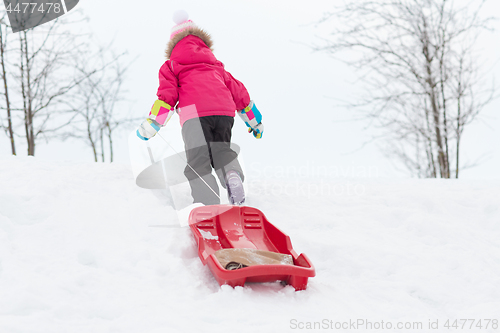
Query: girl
x=205, y=96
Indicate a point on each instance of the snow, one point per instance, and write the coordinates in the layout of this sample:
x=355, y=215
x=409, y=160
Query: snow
x=208, y=235
x=83, y=249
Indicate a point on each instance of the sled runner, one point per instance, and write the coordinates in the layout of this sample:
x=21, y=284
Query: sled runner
x=240, y=245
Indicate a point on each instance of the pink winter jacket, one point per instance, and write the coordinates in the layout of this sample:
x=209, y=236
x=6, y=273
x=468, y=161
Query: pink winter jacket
x=198, y=81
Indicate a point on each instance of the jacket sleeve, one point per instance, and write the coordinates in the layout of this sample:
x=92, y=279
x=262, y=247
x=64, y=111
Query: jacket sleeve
x=168, y=89
x=240, y=94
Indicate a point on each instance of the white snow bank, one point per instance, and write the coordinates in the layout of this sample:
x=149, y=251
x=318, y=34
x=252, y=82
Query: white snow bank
x=78, y=253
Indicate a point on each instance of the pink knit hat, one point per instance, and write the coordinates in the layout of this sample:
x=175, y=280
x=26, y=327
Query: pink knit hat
x=182, y=23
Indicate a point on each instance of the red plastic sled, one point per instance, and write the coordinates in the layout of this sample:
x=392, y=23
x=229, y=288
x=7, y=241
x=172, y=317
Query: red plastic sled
x=223, y=226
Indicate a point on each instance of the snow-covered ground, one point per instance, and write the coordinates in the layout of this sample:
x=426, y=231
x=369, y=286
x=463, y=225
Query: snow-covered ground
x=79, y=253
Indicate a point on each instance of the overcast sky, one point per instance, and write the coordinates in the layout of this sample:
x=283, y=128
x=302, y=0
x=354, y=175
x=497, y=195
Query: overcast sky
x=264, y=44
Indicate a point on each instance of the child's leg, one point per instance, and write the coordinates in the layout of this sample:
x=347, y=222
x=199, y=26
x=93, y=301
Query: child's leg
x=195, y=137
x=224, y=158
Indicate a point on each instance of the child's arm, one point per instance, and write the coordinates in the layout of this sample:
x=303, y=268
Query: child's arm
x=247, y=110
x=238, y=90
x=168, y=89
x=162, y=109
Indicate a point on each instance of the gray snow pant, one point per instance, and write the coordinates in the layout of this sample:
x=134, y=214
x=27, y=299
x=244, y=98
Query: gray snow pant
x=207, y=141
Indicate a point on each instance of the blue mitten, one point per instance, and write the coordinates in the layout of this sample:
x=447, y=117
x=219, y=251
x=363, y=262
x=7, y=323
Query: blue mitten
x=159, y=115
x=253, y=119
x=257, y=130
x=148, y=129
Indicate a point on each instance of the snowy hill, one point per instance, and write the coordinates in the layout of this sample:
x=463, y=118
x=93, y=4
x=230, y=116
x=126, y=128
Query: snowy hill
x=78, y=253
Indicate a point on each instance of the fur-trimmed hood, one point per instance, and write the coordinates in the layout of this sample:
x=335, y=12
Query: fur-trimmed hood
x=195, y=31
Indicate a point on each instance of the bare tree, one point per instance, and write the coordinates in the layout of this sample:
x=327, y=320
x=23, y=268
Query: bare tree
x=3, y=51
x=95, y=101
x=38, y=68
x=422, y=72
x=64, y=86
x=45, y=77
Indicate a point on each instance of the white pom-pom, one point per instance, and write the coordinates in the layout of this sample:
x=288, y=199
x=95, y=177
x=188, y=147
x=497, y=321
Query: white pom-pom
x=180, y=16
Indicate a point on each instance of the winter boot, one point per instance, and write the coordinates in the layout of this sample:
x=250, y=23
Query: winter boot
x=235, y=191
